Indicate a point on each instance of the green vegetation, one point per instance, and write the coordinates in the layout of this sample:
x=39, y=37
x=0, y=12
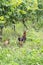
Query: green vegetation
x=15, y=17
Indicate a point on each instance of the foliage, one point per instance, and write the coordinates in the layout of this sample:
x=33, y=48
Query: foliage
x=13, y=10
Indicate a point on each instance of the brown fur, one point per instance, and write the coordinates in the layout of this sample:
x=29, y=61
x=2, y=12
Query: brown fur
x=6, y=42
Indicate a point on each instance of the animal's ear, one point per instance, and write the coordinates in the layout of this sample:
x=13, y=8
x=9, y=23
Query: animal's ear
x=24, y=31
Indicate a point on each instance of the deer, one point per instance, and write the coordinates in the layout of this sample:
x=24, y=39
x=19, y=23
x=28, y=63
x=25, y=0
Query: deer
x=22, y=39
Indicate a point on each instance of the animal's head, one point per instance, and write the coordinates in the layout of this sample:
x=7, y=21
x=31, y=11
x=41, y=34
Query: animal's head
x=24, y=32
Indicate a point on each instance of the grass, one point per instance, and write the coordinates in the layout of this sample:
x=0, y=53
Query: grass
x=30, y=54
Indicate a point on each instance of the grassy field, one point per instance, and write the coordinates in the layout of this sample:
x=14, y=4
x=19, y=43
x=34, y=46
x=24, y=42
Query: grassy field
x=31, y=53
